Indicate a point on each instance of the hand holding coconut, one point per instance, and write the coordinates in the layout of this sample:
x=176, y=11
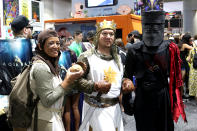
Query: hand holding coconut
x=74, y=73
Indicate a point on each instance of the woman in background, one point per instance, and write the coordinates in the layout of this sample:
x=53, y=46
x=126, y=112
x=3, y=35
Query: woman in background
x=71, y=100
x=185, y=45
x=192, y=72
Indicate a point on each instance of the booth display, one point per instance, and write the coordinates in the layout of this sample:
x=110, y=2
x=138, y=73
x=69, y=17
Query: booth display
x=125, y=24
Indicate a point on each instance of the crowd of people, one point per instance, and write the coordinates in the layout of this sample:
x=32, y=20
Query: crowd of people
x=187, y=46
x=91, y=99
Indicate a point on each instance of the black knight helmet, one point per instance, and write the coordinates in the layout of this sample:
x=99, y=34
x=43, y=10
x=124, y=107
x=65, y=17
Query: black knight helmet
x=153, y=20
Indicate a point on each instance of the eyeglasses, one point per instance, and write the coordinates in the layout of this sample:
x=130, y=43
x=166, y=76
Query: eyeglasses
x=106, y=34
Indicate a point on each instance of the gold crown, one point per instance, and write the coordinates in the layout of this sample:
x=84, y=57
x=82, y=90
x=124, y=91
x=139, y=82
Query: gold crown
x=105, y=25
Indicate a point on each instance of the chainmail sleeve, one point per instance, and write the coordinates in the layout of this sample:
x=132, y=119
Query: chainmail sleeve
x=83, y=84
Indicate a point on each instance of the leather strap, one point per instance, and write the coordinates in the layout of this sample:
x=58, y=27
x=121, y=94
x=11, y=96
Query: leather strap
x=102, y=103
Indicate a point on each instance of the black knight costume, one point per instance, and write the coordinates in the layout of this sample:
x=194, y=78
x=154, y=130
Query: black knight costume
x=156, y=65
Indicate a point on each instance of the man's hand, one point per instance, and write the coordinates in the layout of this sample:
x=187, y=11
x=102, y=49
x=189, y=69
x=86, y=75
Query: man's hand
x=102, y=86
x=127, y=86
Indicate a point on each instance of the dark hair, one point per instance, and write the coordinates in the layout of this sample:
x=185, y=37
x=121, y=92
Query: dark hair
x=64, y=39
x=19, y=23
x=135, y=33
x=62, y=28
x=186, y=38
x=176, y=40
x=76, y=33
x=120, y=43
x=91, y=34
x=35, y=36
x=68, y=39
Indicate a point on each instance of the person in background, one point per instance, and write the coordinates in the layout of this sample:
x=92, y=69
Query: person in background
x=133, y=37
x=78, y=47
x=103, y=79
x=120, y=44
x=192, y=84
x=121, y=49
x=176, y=38
x=166, y=36
x=66, y=42
x=122, y=52
x=171, y=38
x=185, y=46
x=71, y=100
x=90, y=38
x=63, y=32
x=12, y=63
x=45, y=82
x=21, y=27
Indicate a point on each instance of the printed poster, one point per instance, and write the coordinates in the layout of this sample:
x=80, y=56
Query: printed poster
x=10, y=11
x=35, y=11
x=24, y=5
x=8, y=32
x=14, y=55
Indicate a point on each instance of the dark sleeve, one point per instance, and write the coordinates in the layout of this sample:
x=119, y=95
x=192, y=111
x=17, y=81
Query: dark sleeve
x=44, y=86
x=129, y=64
x=73, y=56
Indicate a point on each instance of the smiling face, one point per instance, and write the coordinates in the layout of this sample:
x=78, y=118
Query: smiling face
x=106, y=38
x=52, y=46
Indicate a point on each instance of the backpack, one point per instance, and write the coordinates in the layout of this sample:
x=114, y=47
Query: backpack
x=21, y=101
x=195, y=59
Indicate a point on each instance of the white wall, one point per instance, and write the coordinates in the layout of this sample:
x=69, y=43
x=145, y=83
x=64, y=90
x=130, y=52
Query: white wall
x=48, y=9
x=56, y=9
x=62, y=9
x=189, y=16
x=173, y=6
x=195, y=23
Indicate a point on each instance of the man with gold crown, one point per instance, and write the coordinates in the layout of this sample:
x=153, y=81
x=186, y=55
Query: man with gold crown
x=156, y=65
x=102, y=82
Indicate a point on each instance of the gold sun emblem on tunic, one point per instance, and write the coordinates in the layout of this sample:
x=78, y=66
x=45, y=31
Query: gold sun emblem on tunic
x=110, y=75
